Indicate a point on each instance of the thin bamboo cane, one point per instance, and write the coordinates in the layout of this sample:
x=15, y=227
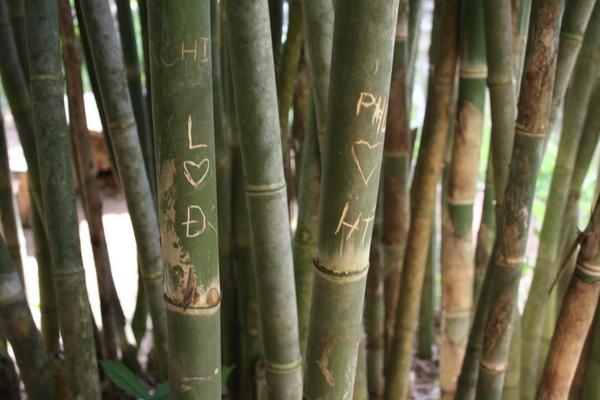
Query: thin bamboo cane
x=591, y=384
x=535, y=313
x=512, y=383
x=426, y=330
x=427, y=174
x=187, y=193
x=108, y=62
x=531, y=127
x=16, y=9
x=20, y=330
x=487, y=231
x=256, y=105
x=576, y=316
x=397, y=157
x=52, y=141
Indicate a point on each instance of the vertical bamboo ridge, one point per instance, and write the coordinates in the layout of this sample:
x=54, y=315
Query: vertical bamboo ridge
x=396, y=160
x=108, y=63
x=305, y=237
x=426, y=329
x=10, y=221
x=181, y=73
x=532, y=125
x=586, y=71
x=374, y=310
x=265, y=187
x=52, y=140
x=20, y=330
x=318, y=17
x=576, y=316
x=457, y=252
x=134, y=82
x=360, y=82
x=574, y=23
x=89, y=193
x=427, y=174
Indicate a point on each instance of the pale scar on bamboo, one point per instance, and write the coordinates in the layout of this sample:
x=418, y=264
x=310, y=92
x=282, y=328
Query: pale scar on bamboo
x=366, y=100
x=203, y=166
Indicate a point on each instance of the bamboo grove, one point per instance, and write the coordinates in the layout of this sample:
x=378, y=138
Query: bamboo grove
x=382, y=200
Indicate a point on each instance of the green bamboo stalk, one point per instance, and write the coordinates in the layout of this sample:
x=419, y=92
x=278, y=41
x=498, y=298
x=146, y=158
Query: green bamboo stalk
x=305, y=237
x=143, y=15
x=360, y=390
x=87, y=182
x=134, y=82
x=224, y=199
x=397, y=160
x=457, y=259
x=52, y=141
x=426, y=330
x=108, y=63
x=576, y=316
x=374, y=310
x=20, y=330
x=512, y=383
x=577, y=386
x=10, y=221
x=574, y=23
x=276, y=29
x=16, y=9
x=591, y=384
x=318, y=32
x=286, y=77
x=531, y=127
x=535, y=313
x=265, y=187
x=181, y=73
x=521, y=16
x=427, y=174
x=361, y=69
x=487, y=231
x=499, y=50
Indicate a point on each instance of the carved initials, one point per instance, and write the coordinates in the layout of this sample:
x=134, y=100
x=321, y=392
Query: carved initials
x=203, y=222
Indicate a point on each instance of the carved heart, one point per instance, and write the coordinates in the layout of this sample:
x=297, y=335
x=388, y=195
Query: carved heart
x=190, y=168
x=362, y=148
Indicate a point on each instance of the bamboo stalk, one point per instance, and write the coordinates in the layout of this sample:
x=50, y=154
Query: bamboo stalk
x=265, y=187
x=360, y=390
x=486, y=234
x=10, y=221
x=457, y=259
x=574, y=23
x=576, y=316
x=108, y=62
x=512, y=383
x=374, y=310
x=361, y=68
x=531, y=127
x=305, y=237
x=47, y=91
x=318, y=32
x=20, y=330
x=187, y=194
x=16, y=10
x=591, y=384
x=134, y=83
x=427, y=174
x=87, y=181
x=535, y=313
x=223, y=156
x=426, y=330
x=397, y=155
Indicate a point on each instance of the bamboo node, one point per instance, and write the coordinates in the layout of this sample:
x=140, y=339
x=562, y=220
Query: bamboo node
x=590, y=271
x=264, y=189
x=571, y=37
x=11, y=289
x=493, y=367
x=67, y=273
x=340, y=276
x=121, y=123
x=47, y=77
x=207, y=309
x=282, y=368
x=538, y=134
x=474, y=73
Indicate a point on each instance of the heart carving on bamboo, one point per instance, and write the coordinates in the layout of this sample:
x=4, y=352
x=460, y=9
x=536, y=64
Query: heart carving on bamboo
x=366, y=164
x=194, y=172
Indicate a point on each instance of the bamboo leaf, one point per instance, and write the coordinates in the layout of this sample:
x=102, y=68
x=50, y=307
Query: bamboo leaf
x=225, y=372
x=122, y=376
